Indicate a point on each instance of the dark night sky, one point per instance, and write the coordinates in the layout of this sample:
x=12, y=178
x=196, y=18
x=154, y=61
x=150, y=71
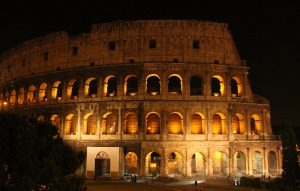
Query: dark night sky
x=266, y=33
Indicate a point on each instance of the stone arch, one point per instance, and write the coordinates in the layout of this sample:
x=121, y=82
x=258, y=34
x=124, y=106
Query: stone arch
x=90, y=87
x=153, y=84
x=198, y=165
x=197, y=123
x=21, y=95
x=219, y=163
x=236, y=86
x=272, y=161
x=196, y=84
x=153, y=123
x=218, y=123
x=217, y=85
x=131, y=163
x=175, y=123
x=43, y=92
x=89, y=124
x=71, y=125
x=175, y=84
x=175, y=164
x=57, y=90
x=239, y=163
x=55, y=120
x=12, y=99
x=110, y=86
x=31, y=94
x=131, y=123
x=131, y=85
x=109, y=123
x=73, y=89
x=257, y=163
x=152, y=163
x=238, y=124
x=256, y=125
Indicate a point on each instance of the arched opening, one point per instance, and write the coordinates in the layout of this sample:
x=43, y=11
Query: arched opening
x=131, y=163
x=272, y=162
x=256, y=127
x=197, y=124
x=239, y=163
x=236, y=86
x=196, y=86
x=175, y=164
x=21, y=96
x=56, y=90
x=257, y=163
x=152, y=164
x=218, y=124
x=217, y=86
x=131, y=85
x=102, y=165
x=153, y=123
x=71, y=125
x=198, y=165
x=12, y=99
x=238, y=124
x=219, y=164
x=90, y=87
x=43, y=92
x=110, y=86
x=55, y=120
x=89, y=124
x=175, y=124
x=72, y=89
x=174, y=84
x=131, y=123
x=109, y=124
x=41, y=118
x=31, y=94
x=153, y=85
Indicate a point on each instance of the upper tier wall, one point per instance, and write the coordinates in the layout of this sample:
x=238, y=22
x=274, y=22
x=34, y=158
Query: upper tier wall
x=120, y=42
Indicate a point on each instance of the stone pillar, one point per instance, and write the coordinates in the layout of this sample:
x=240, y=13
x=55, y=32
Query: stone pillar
x=248, y=162
x=209, y=163
x=78, y=131
x=265, y=164
x=208, y=123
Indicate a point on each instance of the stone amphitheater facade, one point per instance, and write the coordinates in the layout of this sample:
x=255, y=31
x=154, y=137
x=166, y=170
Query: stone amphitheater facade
x=146, y=97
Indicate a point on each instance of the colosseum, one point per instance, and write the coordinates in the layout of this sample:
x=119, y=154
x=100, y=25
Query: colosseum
x=166, y=98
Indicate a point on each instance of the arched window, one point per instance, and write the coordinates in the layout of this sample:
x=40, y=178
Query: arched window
x=56, y=90
x=91, y=125
x=272, y=162
x=195, y=86
x=131, y=85
x=110, y=86
x=55, y=120
x=43, y=92
x=153, y=123
x=72, y=89
x=21, y=95
x=71, y=125
x=31, y=94
x=109, y=124
x=175, y=124
x=217, y=86
x=256, y=126
x=90, y=88
x=131, y=124
x=218, y=124
x=196, y=124
x=174, y=84
x=12, y=99
x=153, y=85
x=236, y=86
x=238, y=124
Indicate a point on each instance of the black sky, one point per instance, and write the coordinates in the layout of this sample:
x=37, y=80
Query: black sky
x=266, y=33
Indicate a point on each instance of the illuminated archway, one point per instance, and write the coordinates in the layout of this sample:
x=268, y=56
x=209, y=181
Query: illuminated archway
x=31, y=94
x=131, y=163
x=239, y=162
x=219, y=164
x=57, y=90
x=152, y=163
x=198, y=165
x=41, y=118
x=131, y=123
x=175, y=124
x=12, y=99
x=109, y=123
x=175, y=164
x=197, y=123
x=257, y=163
x=21, y=95
x=131, y=85
x=71, y=125
x=153, y=84
x=238, y=126
x=89, y=124
x=196, y=85
x=110, y=86
x=72, y=89
x=217, y=86
x=153, y=123
x=218, y=124
x=175, y=84
x=272, y=161
x=90, y=87
x=236, y=86
x=55, y=120
x=43, y=92
x=256, y=126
